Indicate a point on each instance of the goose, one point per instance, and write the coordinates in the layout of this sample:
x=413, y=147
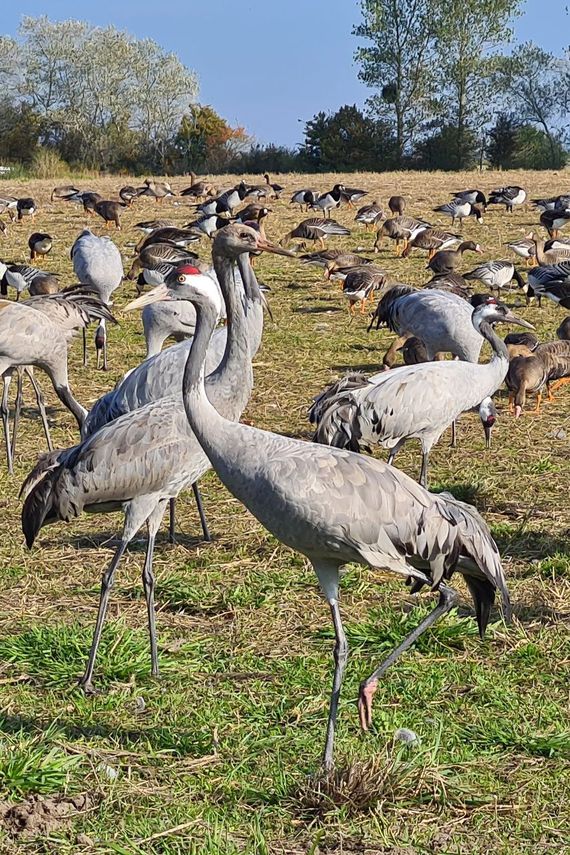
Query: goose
x=277, y=188
x=158, y=190
x=399, y=228
x=562, y=201
x=304, y=198
x=110, y=212
x=507, y=196
x=555, y=220
x=361, y=284
x=39, y=243
x=128, y=194
x=88, y=199
x=208, y=224
x=327, y=201
x=548, y=257
x=8, y=205
x=474, y=197
x=22, y=276
x=215, y=207
x=459, y=209
x=548, y=365
x=198, y=189
x=447, y=260
x=168, y=234
x=231, y=198
x=419, y=401
x=26, y=207
x=254, y=211
x=432, y=240
x=397, y=204
x=524, y=248
x=315, y=229
x=495, y=275
x=552, y=281
x=350, y=195
x=159, y=253
x=148, y=226
x=370, y=215
x=64, y=192
x=563, y=330
x=343, y=261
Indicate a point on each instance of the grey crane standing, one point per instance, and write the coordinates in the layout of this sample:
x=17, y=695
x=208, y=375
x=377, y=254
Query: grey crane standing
x=336, y=507
x=419, y=401
x=29, y=337
x=97, y=263
x=143, y=459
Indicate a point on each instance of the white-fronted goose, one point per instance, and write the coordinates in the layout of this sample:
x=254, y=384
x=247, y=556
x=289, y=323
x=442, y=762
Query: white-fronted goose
x=110, y=211
x=128, y=194
x=453, y=283
x=397, y=205
x=361, y=284
x=198, y=189
x=548, y=365
x=8, y=205
x=398, y=229
x=157, y=190
x=448, y=260
x=370, y=215
x=64, y=192
x=432, y=240
x=315, y=229
x=168, y=234
x=149, y=226
x=524, y=248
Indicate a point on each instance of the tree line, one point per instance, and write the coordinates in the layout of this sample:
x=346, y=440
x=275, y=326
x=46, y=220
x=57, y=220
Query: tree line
x=447, y=92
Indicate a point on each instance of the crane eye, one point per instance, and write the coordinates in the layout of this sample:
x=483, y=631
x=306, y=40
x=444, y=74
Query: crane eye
x=182, y=278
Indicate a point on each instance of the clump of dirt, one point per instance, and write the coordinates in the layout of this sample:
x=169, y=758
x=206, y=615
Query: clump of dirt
x=42, y=815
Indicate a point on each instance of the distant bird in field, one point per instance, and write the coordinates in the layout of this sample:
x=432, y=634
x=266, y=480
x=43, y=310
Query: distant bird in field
x=26, y=208
x=397, y=205
x=315, y=229
x=510, y=197
x=110, y=212
x=448, y=260
x=459, y=209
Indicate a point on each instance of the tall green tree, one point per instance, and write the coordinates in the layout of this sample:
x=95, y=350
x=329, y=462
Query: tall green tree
x=532, y=81
x=468, y=34
x=397, y=61
x=346, y=141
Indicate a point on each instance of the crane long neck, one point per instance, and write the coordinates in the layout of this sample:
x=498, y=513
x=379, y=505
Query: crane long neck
x=499, y=347
x=236, y=352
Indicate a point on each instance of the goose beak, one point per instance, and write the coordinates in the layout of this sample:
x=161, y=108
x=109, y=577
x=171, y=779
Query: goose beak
x=161, y=292
x=267, y=246
x=511, y=318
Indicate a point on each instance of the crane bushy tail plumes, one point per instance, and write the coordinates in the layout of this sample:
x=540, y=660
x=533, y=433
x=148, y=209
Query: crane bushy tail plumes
x=384, y=312
x=475, y=555
x=39, y=500
x=334, y=411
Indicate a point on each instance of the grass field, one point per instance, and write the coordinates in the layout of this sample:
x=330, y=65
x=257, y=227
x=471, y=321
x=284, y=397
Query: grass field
x=219, y=754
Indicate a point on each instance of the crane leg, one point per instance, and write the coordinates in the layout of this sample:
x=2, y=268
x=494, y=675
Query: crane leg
x=153, y=524
x=86, y=682
x=5, y=411
x=84, y=348
x=41, y=407
x=424, y=469
x=17, y=408
x=172, y=521
x=447, y=600
x=200, y=507
x=340, y=654
x=454, y=433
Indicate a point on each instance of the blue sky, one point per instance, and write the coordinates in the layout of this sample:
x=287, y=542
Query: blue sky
x=265, y=64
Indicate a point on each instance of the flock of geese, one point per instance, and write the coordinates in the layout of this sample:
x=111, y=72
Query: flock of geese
x=176, y=414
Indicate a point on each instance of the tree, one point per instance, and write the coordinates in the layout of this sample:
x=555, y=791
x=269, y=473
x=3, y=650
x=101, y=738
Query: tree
x=533, y=79
x=440, y=150
x=501, y=145
x=346, y=141
x=467, y=32
x=93, y=87
x=206, y=142
x=398, y=62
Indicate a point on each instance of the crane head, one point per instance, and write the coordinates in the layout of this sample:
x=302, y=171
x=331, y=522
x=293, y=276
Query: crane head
x=492, y=312
x=188, y=282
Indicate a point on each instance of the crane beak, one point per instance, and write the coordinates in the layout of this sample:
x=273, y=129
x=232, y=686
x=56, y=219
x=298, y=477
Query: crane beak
x=267, y=246
x=161, y=292
x=511, y=318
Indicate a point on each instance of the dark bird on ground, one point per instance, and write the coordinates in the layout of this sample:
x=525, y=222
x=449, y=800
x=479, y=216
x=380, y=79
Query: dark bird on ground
x=39, y=243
